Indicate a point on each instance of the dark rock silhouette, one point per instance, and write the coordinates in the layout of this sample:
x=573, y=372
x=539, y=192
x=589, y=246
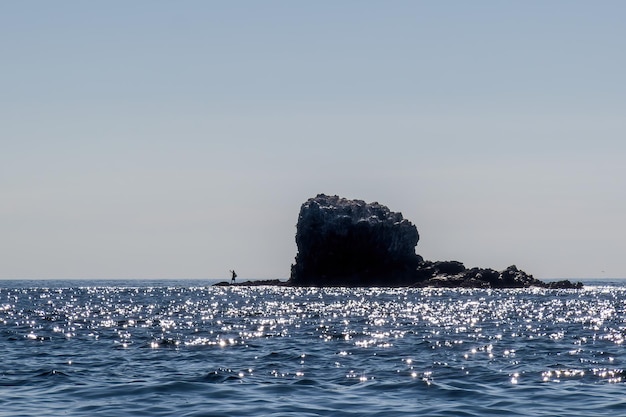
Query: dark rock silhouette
x=349, y=242
x=345, y=242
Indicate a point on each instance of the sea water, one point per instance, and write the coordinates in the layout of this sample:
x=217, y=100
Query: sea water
x=185, y=348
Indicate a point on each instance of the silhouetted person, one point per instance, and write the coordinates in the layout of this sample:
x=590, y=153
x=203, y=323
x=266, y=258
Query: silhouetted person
x=233, y=275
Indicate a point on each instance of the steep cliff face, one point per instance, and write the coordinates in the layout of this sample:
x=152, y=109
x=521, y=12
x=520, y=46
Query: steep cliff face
x=350, y=242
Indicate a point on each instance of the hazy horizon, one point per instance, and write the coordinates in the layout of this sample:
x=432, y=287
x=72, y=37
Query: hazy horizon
x=160, y=140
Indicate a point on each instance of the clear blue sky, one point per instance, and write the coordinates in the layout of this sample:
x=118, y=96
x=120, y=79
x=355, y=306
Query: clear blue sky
x=161, y=139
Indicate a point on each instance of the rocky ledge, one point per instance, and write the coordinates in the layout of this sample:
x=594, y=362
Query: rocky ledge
x=345, y=242
x=255, y=283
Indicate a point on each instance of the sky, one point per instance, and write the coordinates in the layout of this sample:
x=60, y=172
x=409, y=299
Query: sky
x=157, y=139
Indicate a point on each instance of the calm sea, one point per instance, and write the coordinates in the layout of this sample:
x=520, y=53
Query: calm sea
x=184, y=348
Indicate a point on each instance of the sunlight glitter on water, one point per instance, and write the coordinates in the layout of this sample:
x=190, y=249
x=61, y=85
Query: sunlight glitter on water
x=369, y=339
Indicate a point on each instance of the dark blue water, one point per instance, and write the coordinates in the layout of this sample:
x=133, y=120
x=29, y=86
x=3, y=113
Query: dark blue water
x=182, y=348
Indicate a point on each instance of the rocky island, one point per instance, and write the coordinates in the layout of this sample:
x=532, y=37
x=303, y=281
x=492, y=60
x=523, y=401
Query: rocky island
x=351, y=243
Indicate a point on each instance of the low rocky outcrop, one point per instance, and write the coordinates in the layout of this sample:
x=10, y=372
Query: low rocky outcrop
x=345, y=242
x=254, y=283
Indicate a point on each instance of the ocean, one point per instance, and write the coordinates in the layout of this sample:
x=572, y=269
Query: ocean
x=186, y=348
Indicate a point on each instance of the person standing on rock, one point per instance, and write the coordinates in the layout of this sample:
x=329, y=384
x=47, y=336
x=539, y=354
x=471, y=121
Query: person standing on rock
x=233, y=275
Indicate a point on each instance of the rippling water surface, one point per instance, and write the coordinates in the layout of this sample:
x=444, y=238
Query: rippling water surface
x=179, y=348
